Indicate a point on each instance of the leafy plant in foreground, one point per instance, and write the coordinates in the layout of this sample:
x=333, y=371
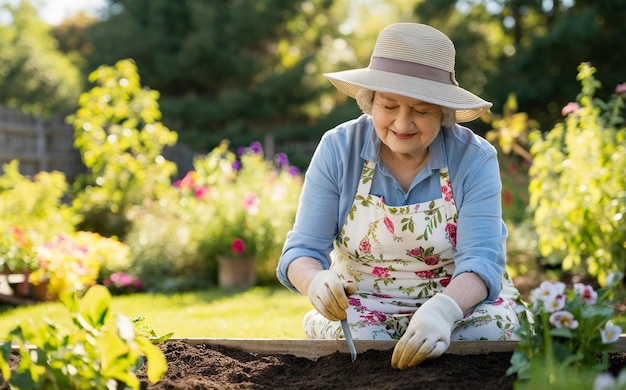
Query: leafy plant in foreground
x=568, y=339
x=102, y=352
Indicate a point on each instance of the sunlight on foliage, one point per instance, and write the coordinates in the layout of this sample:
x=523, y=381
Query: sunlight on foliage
x=578, y=186
x=102, y=351
x=120, y=138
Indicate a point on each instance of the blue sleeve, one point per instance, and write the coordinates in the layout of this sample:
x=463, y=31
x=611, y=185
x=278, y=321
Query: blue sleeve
x=481, y=233
x=316, y=222
x=327, y=194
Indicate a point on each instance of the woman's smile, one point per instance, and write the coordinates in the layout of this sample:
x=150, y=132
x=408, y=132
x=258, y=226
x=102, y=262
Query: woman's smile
x=403, y=136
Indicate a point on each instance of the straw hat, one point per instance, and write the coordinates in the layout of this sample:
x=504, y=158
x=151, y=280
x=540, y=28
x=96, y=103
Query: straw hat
x=417, y=61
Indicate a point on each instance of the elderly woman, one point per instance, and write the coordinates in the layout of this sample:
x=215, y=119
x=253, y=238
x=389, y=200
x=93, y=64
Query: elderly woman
x=399, y=228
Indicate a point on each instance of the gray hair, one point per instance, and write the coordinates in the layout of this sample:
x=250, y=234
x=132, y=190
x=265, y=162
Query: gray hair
x=365, y=99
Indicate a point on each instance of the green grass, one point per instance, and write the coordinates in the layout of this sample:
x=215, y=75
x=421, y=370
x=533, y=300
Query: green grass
x=261, y=312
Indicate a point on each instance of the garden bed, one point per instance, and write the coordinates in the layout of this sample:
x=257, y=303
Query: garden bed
x=193, y=364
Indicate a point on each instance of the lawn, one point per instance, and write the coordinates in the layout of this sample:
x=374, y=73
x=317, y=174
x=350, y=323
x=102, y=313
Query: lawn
x=261, y=312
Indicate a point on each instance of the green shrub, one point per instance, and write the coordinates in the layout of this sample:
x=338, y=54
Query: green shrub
x=34, y=205
x=578, y=186
x=166, y=245
x=103, y=351
x=120, y=138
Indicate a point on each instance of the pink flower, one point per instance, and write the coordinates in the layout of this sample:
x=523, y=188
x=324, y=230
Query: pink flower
x=425, y=274
x=365, y=246
x=251, y=203
x=569, y=108
x=447, y=194
x=356, y=302
x=415, y=252
x=620, y=88
x=381, y=272
x=201, y=192
x=451, y=230
x=389, y=224
x=431, y=260
x=238, y=246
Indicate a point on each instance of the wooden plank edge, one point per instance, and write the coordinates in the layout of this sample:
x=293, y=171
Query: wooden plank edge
x=314, y=349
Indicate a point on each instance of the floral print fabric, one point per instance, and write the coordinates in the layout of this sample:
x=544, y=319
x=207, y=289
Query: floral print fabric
x=399, y=256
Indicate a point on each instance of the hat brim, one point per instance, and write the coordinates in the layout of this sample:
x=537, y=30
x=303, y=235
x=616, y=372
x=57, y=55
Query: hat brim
x=467, y=105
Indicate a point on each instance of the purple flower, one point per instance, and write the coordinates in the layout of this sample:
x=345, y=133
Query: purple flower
x=256, y=147
x=293, y=171
x=236, y=165
x=281, y=159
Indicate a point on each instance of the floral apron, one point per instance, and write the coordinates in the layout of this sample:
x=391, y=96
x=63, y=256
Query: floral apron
x=399, y=256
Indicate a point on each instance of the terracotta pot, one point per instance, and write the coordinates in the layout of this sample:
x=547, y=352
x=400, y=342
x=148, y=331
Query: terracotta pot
x=21, y=287
x=236, y=271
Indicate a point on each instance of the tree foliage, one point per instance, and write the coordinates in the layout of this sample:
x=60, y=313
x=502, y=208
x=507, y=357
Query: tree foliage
x=540, y=64
x=34, y=75
x=233, y=68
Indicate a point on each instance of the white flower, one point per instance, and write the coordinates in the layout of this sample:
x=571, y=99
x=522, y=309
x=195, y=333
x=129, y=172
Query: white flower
x=586, y=293
x=125, y=327
x=613, y=278
x=545, y=292
x=604, y=381
x=563, y=319
x=610, y=333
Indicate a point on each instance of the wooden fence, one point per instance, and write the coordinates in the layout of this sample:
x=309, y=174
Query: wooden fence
x=41, y=145
x=38, y=145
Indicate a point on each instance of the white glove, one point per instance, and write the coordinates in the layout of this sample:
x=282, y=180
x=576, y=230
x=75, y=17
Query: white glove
x=329, y=294
x=428, y=334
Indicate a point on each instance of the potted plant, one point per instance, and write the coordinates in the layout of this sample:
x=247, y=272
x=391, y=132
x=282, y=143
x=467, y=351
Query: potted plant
x=71, y=262
x=251, y=202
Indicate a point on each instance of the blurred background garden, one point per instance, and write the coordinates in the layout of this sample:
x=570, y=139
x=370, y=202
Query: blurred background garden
x=193, y=123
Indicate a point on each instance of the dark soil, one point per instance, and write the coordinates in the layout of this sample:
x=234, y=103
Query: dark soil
x=210, y=367
x=204, y=367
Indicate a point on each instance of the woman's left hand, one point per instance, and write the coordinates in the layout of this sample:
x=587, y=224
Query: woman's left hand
x=428, y=333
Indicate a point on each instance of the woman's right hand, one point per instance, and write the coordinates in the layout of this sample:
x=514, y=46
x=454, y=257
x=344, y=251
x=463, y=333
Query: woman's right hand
x=329, y=294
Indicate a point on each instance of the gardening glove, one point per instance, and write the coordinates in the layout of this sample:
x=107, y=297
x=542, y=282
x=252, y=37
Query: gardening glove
x=428, y=334
x=329, y=294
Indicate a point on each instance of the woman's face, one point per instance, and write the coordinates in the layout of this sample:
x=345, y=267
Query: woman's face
x=406, y=126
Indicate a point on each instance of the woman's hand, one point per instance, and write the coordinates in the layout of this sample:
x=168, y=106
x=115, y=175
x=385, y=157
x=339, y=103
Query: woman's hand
x=329, y=294
x=428, y=333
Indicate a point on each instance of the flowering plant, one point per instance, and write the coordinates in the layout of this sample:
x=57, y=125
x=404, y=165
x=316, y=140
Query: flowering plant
x=571, y=328
x=251, y=199
x=72, y=262
x=122, y=283
x=577, y=187
x=16, y=251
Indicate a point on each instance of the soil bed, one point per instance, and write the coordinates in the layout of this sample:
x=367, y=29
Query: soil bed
x=202, y=367
x=216, y=367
